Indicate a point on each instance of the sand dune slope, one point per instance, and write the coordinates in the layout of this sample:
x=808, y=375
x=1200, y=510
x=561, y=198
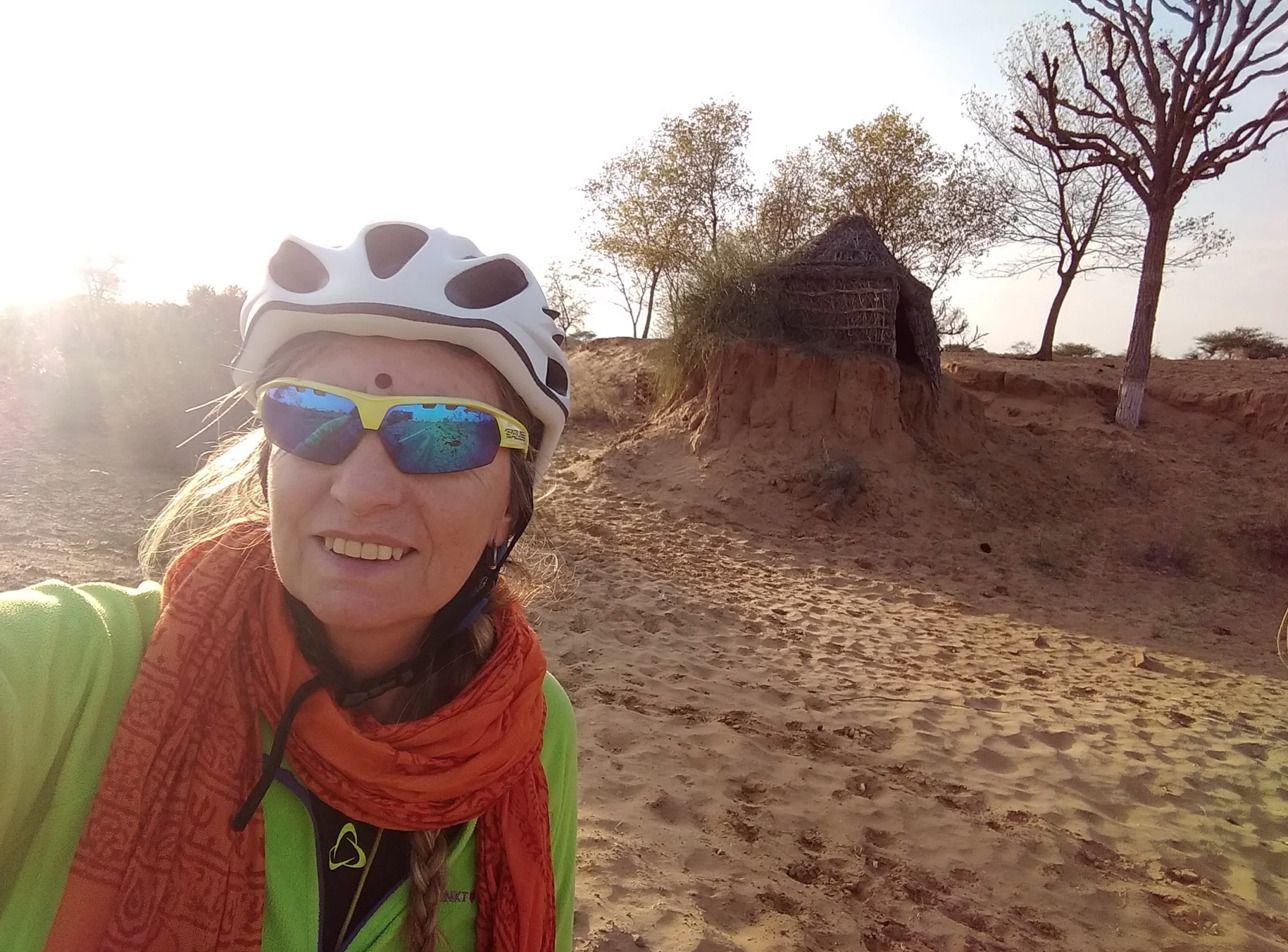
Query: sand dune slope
x=781, y=755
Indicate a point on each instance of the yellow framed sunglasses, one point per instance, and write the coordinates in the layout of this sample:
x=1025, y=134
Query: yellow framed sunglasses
x=421, y=434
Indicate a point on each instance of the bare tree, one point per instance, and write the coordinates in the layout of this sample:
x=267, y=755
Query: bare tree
x=102, y=284
x=1070, y=221
x=565, y=297
x=956, y=332
x=635, y=291
x=1169, y=141
x=639, y=228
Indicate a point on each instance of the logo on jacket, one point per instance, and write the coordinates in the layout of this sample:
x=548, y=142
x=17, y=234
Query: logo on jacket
x=346, y=852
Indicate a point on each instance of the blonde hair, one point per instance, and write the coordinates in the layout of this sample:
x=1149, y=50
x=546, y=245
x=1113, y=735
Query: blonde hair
x=229, y=488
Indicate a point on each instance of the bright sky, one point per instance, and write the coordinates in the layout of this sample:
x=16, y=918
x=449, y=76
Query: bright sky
x=190, y=139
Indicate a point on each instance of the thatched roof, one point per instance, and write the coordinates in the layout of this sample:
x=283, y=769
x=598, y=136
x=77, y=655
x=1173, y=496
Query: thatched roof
x=851, y=242
x=851, y=250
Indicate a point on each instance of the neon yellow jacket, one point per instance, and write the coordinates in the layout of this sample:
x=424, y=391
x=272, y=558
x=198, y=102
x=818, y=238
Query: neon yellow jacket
x=68, y=656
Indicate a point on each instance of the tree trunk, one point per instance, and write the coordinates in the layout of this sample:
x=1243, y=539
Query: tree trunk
x=652, y=290
x=1131, y=392
x=1048, y=335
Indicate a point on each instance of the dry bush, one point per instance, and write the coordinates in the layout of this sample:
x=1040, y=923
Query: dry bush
x=1176, y=552
x=1265, y=541
x=722, y=298
x=836, y=482
x=1055, y=554
x=1129, y=471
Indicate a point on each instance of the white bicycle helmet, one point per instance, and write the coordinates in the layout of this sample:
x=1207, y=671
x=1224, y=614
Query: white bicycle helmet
x=414, y=283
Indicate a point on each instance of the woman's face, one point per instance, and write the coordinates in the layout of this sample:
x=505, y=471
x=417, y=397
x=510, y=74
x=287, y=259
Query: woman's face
x=375, y=611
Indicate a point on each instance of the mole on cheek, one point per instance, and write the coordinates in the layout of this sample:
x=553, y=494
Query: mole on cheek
x=384, y=381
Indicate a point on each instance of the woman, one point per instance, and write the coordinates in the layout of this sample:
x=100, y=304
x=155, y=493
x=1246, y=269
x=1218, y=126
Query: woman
x=331, y=727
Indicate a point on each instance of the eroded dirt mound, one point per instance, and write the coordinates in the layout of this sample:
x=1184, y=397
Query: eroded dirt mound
x=762, y=398
x=1250, y=393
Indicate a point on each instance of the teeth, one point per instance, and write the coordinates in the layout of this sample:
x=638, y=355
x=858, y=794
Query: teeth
x=370, y=551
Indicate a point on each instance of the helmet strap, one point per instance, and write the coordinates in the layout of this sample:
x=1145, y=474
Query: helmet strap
x=265, y=452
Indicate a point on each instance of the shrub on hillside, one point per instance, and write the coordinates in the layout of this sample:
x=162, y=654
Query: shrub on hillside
x=1173, y=553
x=836, y=481
x=1267, y=541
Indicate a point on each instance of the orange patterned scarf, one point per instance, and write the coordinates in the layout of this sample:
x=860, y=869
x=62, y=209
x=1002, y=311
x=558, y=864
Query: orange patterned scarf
x=159, y=866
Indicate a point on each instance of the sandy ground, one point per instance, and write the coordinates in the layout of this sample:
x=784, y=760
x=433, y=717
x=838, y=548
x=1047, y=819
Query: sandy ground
x=869, y=732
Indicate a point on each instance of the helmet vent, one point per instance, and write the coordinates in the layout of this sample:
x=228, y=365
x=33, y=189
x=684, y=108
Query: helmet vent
x=551, y=313
x=556, y=378
x=297, y=269
x=390, y=247
x=486, y=285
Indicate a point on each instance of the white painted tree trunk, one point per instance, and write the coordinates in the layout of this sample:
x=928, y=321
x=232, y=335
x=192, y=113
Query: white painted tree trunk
x=1131, y=399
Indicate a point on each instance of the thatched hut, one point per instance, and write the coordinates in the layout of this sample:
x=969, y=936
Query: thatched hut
x=846, y=290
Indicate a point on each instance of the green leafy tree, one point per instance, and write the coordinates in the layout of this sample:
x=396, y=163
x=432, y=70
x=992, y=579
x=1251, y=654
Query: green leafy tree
x=789, y=209
x=1169, y=139
x=1250, y=342
x=638, y=229
x=933, y=209
x=1070, y=349
x=1070, y=221
x=704, y=162
x=656, y=207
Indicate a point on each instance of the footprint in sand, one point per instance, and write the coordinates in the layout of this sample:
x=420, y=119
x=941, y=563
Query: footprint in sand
x=669, y=810
x=1059, y=740
x=876, y=837
x=743, y=825
x=748, y=791
x=990, y=759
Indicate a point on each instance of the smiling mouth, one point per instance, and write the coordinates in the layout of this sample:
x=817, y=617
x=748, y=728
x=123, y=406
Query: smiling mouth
x=367, y=551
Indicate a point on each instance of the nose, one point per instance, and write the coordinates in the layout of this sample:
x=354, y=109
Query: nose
x=367, y=479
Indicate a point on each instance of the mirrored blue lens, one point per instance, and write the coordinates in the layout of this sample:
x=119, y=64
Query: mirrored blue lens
x=439, y=438
x=313, y=424
x=419, y=438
